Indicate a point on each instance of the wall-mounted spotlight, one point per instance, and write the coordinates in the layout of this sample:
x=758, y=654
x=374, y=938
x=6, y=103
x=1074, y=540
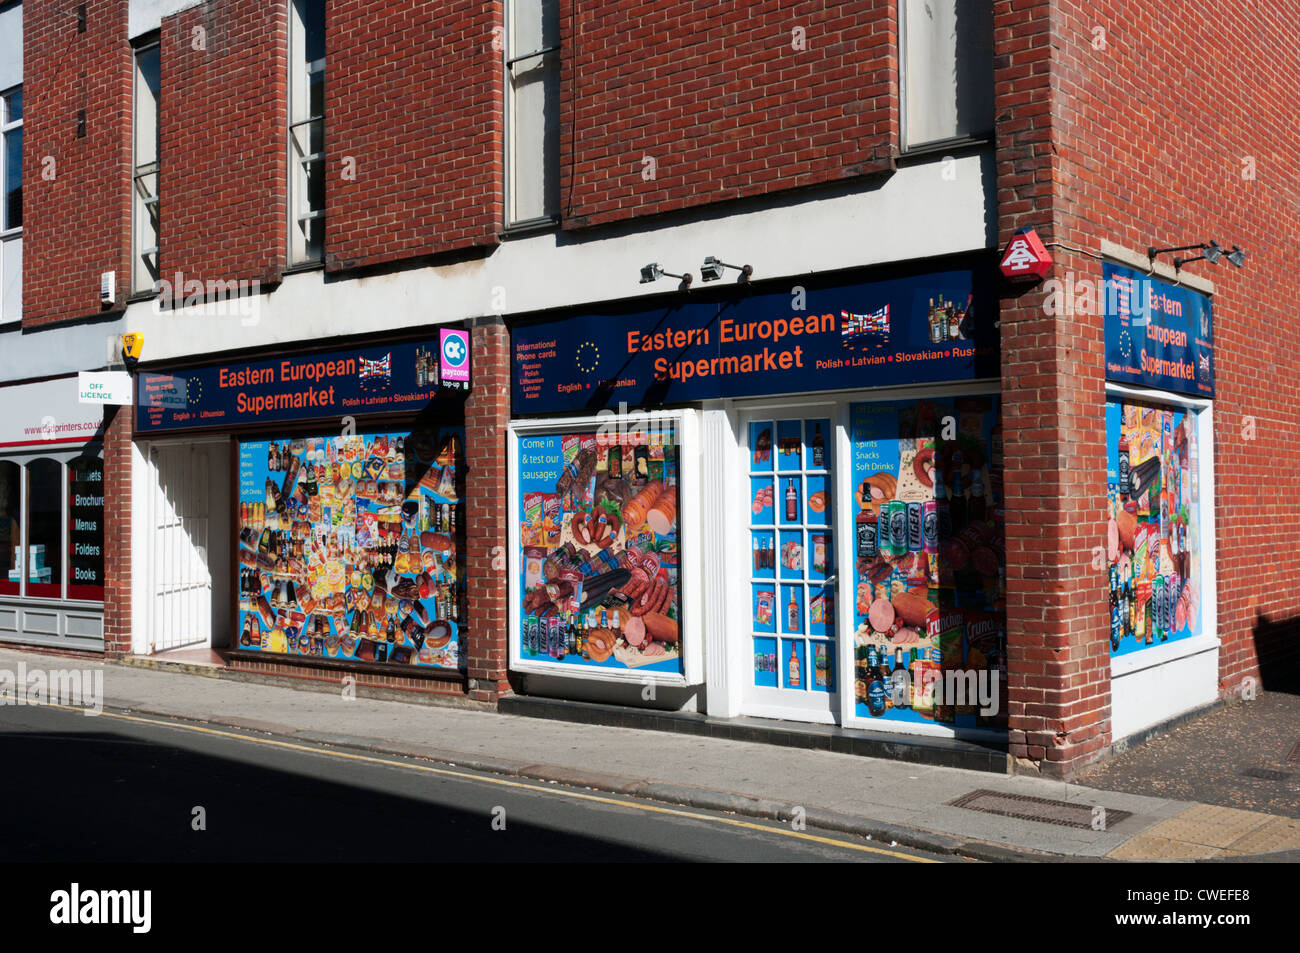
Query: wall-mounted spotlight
x=1209, y=251
x=652, y=272
x=711, y=270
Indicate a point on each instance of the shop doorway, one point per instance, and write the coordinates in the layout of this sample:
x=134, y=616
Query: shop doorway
x=187, y=550
x=788, y=456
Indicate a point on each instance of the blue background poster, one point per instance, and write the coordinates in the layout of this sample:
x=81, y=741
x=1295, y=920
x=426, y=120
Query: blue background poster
x=1153, y=529
x=909, y=327
x=348, y=547
x=599, y=565
x=929, y=574
x=1157, y=334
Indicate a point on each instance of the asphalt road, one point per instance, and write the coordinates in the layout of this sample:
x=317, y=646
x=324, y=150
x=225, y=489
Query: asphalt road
x=126, y=788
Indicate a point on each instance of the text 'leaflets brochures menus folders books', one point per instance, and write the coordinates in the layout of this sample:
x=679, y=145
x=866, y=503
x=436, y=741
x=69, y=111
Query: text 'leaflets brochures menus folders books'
x=936, y=326
x=792, y=581
x=929, y=576
x=1157, y=334
x=1153, y=531
x=599, y=532
x=348, y=547
x=362, y=380
x=86, y=528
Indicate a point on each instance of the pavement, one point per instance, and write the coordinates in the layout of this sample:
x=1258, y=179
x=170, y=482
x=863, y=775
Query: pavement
x=895, y=802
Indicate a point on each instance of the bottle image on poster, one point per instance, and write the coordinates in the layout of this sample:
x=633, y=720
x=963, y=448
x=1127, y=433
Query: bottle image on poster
x=1153, y=526
x=929, y=577
x=348, y=547
x=599, y=570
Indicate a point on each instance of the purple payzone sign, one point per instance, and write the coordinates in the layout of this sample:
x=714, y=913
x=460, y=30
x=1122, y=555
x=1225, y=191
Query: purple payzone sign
x=455, y=355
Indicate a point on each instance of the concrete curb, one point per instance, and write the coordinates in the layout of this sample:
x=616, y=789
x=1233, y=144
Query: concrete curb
x=664, y=792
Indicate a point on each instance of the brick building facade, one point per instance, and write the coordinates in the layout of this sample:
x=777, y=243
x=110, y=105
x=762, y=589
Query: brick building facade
x=507, y=169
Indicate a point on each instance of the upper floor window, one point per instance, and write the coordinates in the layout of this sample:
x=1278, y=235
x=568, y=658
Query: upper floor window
x=947, y=59
x=144, y=178
x=307, y=131
x=532, y=58
x=11, y=152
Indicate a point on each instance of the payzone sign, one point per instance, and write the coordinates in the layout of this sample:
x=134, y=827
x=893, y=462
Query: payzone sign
x=1157, y=334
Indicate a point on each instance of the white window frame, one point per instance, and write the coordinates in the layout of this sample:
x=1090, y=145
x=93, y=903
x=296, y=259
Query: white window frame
x=927, y=145
x=509, y=58
x=8, y=234
x=144, y=202
x=301, y=123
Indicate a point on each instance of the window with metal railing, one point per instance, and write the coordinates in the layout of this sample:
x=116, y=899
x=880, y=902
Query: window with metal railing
x=307, y=131
x=144, y=171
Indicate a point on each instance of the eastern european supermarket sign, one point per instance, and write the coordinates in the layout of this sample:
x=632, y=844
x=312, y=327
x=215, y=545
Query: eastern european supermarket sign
x=1157, y=334
x=737, y=342
x=361, y=380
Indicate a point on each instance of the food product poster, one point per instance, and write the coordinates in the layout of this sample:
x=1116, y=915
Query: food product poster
x=348, y=547
x=929, y=575
x=1153, y=530
x=599, y=570
x=792, y=541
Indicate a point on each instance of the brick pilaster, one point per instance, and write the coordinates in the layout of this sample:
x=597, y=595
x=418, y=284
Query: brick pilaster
x=487, y=411
x=118, y=434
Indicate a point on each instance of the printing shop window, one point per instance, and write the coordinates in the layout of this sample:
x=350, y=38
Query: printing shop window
x=44, y=560
x=11, y=490
x=307, y=131
x=947, y=76
x=144, y=180
x=532, y=82
x=85, y=522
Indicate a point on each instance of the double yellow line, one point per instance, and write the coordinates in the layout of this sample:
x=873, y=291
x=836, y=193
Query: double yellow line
x=508, y=783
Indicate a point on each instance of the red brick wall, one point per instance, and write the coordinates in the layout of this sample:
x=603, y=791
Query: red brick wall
x=721, y=100
x=487, y=411
x=1058, y=653
x=413, y=98
x=223, y=181
x=118, y=433
x=1156, y=129
x=76, y=208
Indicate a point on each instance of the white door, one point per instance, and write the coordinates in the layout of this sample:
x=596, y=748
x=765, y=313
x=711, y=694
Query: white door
x=179, y=553
x=789, y=634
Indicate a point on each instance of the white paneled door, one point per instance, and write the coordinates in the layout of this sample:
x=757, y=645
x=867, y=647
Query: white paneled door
x=179, y=551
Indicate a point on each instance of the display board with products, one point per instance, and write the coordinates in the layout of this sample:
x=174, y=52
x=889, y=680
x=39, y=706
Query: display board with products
x=792, y=540
x=1153, y=530
x=598, y=568
x=348, y=547
x=929, y=575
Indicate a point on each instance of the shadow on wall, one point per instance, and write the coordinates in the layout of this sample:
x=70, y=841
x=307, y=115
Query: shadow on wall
x=1277, y=646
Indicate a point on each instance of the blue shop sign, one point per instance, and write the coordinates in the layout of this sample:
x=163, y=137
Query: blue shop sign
x=1157, y=334
x=361, y=380
x=807, y=335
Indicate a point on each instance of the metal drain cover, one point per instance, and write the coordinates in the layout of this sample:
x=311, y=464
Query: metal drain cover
x=1026, y=808
x=1266, y=774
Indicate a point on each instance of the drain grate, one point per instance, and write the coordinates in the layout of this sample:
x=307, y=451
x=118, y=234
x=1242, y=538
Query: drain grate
x=1026, y=808
x=1266, y=774
x=1295, y=753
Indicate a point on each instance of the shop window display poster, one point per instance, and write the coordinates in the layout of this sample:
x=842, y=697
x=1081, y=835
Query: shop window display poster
x=929, y=574
x=348, y=547
x=598, y=529
x=1153, y=534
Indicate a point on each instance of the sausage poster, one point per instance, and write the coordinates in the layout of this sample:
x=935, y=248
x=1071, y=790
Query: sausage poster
x=929, y=574
x=1153, y=533
x=598, y=530
x=348, y=547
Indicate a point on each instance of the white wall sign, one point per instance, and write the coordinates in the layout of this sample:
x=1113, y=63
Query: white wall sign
x=105, y=387
x=46, y=412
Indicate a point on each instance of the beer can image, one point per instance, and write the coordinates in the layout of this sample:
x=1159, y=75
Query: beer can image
x=930, y=527
x=915, y=531
x=1158, y=606
x=898, y=528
